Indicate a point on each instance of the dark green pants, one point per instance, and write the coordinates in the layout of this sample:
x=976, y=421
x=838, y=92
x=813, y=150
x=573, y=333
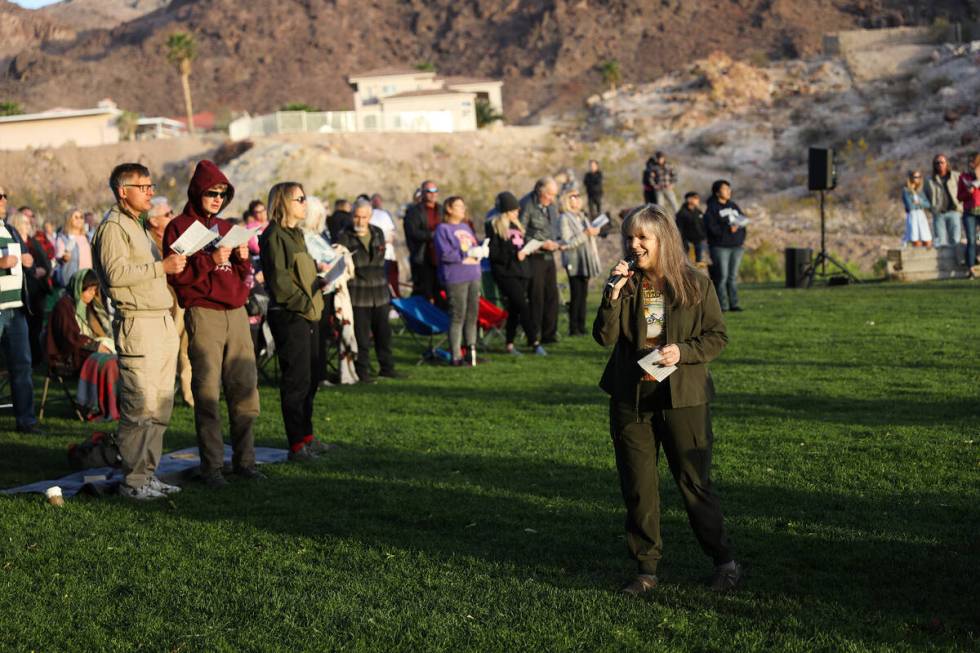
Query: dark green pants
x=685, y=435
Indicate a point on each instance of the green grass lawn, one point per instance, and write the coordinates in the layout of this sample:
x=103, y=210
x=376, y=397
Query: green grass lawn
x=478, y=509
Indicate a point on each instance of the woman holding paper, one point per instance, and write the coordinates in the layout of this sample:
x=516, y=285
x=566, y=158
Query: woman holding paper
x=511, y=269
x=458, y=256
x=579, y=256
x=662, y=309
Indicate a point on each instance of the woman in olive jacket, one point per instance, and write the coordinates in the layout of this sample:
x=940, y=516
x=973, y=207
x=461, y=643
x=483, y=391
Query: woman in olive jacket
x=295, y=305
x=665, y=305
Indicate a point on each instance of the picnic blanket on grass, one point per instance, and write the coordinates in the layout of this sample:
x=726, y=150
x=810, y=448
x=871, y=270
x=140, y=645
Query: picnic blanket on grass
x=175, y=467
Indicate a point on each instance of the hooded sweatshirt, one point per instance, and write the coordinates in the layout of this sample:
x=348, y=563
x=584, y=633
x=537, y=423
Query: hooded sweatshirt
x=204, y=283
x=717, y=224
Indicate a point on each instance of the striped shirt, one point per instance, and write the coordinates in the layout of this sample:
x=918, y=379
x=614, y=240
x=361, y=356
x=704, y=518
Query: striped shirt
x=12, y=279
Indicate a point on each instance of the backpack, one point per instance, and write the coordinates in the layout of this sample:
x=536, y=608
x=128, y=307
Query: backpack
x=100, y=450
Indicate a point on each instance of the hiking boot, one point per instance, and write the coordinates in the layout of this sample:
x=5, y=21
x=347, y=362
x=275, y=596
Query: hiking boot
x=318, y=448
x=249, y=474
x=164, y=488
x=302, y=455
x=144, y=493
x=726, y=578
x=642, y=584
x=539, y=351
x=214, y=480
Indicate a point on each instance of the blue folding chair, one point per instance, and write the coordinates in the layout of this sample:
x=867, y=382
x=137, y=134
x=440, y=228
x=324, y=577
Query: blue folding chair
x=423, y=319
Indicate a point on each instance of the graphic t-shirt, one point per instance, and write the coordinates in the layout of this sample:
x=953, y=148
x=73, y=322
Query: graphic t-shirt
x=654, y=313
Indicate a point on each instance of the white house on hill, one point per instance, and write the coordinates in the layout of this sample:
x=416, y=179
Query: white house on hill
x=57, y=127
x=405, y=99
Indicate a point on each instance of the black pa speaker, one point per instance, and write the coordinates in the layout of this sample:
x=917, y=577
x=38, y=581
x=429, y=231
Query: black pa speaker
x=823, y=174
x=797, y=261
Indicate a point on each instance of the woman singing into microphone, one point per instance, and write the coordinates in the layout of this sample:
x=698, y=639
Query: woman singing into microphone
x=663, y=303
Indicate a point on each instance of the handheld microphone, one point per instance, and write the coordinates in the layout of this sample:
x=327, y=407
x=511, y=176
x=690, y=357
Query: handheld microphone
x=614, y=279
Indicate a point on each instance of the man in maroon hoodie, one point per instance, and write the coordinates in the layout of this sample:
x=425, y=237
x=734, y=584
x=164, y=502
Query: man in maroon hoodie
x=213, y=293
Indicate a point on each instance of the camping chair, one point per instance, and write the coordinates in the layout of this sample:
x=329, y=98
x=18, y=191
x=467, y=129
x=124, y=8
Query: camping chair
x=61, y=373
x=490, y=320
x=423, y=319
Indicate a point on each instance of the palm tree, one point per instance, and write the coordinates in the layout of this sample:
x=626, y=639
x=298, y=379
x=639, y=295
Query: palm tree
x=181, y=51
x=610, y=73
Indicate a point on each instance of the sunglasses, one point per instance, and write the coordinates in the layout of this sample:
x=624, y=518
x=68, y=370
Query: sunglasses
x=575, y=196
x=301, y=199
x=431, y=190
x=216, y=193
x=3, y=196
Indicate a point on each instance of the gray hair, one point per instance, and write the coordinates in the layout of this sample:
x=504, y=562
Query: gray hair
x=543, y=182
x=316, y=215
x=360, y=203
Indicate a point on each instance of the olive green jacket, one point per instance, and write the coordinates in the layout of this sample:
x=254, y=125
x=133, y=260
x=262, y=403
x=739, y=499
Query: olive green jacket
x=698, y=331
x=290, y=272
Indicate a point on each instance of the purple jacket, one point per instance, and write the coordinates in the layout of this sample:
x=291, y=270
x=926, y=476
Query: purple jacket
x=452, y=241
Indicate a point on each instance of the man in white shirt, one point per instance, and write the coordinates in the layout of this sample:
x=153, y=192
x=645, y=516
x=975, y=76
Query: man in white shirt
x=381, y=219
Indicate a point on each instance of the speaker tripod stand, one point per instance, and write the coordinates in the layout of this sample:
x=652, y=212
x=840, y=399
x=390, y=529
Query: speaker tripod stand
x=823, y=258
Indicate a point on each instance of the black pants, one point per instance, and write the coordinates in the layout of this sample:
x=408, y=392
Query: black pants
x=650, y=196
x=595, y=205
x=296, y=341
x=514, y=291
x=579, y=289
x=424, y=280
x=686, y=437
x=368, y=321
x=543, y=297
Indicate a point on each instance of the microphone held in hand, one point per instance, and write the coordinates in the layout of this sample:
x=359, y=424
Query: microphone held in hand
x=614, y=279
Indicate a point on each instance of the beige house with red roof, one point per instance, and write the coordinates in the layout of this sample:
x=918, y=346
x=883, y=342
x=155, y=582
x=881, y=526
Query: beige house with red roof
x=404, y=99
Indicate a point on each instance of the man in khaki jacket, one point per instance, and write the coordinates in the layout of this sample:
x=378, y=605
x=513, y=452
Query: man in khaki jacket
x=146, y=338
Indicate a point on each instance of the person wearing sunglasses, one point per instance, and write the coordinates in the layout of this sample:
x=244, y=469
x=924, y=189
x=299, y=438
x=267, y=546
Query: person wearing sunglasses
x=212, y=290
x=421, y=220
x=72, y=248
x=916, y=203
x=295, y=306
x=144, y=331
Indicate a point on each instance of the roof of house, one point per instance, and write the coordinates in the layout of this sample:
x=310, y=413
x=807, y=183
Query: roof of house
x=425, y=93
x=450, y=81
x=58, y=113
x=390, y=71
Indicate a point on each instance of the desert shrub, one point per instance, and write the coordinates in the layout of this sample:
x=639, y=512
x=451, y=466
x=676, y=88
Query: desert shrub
x=935, y=84
x=762, y=264
x=230, y=150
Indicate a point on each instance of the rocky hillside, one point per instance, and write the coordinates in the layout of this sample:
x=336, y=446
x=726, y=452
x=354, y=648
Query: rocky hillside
x=257, y=56
x=100, y=14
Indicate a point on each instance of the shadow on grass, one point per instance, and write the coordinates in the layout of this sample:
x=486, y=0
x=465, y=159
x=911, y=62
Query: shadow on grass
x=818, y=557
x=815, y=408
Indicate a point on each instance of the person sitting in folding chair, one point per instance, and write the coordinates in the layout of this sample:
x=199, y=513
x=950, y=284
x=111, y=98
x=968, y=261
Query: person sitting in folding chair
x=79, y=343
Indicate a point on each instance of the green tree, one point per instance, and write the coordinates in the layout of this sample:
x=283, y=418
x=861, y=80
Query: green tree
x=181, y=51
x=298, y=106
x=485, y=113
x=126, y=122
x=611, y=75
x=426, y=66
x=10, y=109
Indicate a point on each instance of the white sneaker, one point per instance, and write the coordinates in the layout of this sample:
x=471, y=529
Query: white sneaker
x=164, y=488
x=145, y=493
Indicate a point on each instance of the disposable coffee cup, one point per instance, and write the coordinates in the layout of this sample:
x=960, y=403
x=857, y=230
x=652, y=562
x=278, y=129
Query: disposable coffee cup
x=54, y=496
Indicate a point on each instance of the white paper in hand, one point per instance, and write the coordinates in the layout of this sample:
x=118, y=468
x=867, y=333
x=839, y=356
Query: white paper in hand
x=600, y=221
x=651, y=365
x=237, y=236
x=194, y=238
x=531, y=246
